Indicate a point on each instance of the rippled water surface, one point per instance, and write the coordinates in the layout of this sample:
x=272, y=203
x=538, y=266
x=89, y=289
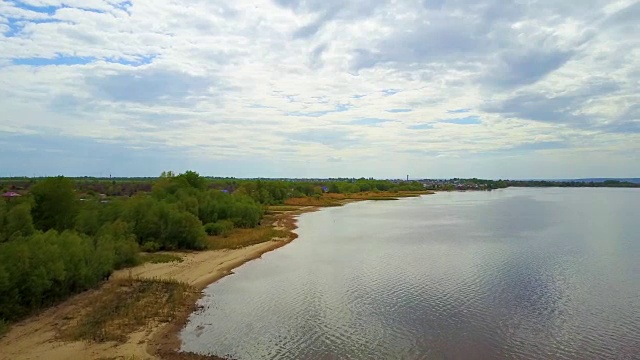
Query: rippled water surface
x=515, y=273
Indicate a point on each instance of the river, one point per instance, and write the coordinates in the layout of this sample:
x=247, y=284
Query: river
x=514, y=273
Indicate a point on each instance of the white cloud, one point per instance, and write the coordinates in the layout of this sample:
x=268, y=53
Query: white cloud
x=287, y=80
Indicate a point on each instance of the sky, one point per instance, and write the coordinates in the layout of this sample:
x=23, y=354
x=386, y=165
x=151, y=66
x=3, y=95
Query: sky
x=321, y=88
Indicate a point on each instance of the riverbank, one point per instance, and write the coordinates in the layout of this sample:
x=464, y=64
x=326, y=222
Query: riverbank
x=43, y=336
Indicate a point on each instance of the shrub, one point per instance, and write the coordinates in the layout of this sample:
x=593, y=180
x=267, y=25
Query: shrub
x=222, y=227
x=150, y=246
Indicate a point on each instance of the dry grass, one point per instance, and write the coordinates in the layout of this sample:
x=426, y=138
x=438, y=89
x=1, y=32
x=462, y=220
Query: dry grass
x=240, y=238
x=322, y=201
x=332, y=199
x=159, y=258
x=129, y=305
x=277, y=208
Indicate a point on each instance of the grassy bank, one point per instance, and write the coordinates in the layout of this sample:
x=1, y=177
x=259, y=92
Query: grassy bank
x=239, y=238
x=127, y=306
x=159, y=258
x=336, y=199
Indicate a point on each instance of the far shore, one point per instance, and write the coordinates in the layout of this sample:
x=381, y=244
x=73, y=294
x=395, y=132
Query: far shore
x=38, y=337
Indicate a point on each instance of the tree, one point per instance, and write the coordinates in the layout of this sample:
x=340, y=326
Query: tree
x=181, y=230
x=55, y=204
x=18, y=221
x=3, y=211
x=194, y=179
x=88, y=222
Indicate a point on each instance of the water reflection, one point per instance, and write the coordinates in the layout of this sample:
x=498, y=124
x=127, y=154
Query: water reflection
x=517, y=273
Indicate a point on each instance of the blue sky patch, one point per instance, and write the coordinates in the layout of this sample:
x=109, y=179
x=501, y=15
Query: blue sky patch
x=61, y=60
x=390, y=92
x=420, y=127
x=308, y=114
x=343, y=107
x=49, y=10
x=338, y=108
x=139, y=61
x=16, y=25
x=469, y=120
x=458, y=111
x=259, y=106
x=399, y=110
x=14, y=28
x=542, y=145
x=368, y=121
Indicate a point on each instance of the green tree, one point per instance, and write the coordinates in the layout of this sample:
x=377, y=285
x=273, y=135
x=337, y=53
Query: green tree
x=182, y=230
x=55, y=204
x=194, y=179
x=3, y=212
x=88, y=220
x=18, y=221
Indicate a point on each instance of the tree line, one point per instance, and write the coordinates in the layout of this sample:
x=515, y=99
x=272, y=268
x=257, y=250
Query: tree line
x=56, y=241
x=63, y=235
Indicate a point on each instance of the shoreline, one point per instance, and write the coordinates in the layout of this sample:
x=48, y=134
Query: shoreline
x=39, y=336
x=165, y=343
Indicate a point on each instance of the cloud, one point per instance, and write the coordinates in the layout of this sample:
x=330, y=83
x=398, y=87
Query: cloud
x=420, y=127
x=526, y=68
x=333, y=138
x=563, y=108
x=381, y=85
x=148, y=86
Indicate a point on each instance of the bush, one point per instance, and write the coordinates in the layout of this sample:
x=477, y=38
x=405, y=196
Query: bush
x=4, y=327
x=222, y=227
x=55, y=204
x=18, y=220
x=150, y=246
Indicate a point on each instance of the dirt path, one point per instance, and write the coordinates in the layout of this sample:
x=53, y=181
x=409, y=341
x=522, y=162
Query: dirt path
x=38, y=337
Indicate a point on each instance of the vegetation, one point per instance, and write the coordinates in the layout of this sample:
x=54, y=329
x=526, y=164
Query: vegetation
x=159, y=258
x=3, y=327
x=56, y=241
x=64, y=236
x=245, y=237
x=127, y=306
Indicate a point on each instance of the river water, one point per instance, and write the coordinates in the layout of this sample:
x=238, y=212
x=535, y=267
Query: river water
x=513, y=273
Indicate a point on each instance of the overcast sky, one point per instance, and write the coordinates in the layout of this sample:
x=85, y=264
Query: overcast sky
x=321, y=88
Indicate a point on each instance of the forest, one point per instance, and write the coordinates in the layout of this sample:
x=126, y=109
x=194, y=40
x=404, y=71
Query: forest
x=61, y=236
